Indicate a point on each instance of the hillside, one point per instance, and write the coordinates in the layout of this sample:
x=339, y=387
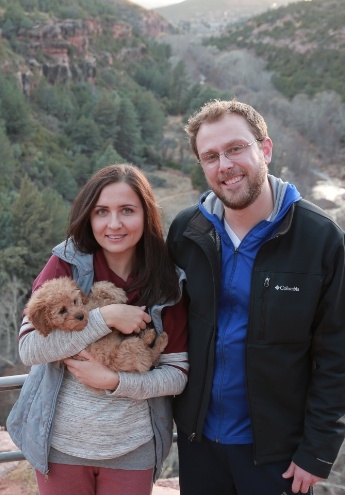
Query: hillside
x=302, y=43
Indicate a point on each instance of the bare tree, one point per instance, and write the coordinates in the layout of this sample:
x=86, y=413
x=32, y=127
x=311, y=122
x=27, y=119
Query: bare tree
x=12, y=296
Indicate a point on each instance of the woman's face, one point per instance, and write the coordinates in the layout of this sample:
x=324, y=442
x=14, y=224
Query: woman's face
x=117, y=221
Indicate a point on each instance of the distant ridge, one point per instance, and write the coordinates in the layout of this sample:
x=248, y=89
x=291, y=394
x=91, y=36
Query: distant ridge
x=195, y=8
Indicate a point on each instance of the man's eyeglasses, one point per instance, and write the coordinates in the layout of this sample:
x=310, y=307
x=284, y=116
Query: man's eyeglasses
x=211, y=160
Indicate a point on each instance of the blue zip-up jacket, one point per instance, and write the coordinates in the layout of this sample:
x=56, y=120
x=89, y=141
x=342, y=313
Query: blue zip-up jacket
x=30, y=420
x=228, y=420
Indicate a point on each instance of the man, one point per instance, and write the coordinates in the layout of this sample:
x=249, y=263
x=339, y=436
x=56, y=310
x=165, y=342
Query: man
x=261, y=413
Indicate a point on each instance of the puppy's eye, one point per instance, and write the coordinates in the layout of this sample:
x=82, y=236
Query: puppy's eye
x=63, y=311
x=75, y=302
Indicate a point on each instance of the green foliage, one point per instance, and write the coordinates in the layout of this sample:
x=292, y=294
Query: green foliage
x=198, y=179
x=105, y=114
x=85, y=135
x=37, y=226
x=128, y=139
x=14, y=110
x=151, y=117
x=197, y=95
x=178, y=88
x=6, y=222
x=54, y=135
x=7, y=162
x=54, y=100
x=107, y=157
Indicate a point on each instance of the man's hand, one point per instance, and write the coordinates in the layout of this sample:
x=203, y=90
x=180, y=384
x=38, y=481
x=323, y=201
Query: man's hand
x=302, y=480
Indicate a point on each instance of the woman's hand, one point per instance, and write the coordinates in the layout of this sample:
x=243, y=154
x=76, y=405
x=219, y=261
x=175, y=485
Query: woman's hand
x=125, y=318
x=92, y=373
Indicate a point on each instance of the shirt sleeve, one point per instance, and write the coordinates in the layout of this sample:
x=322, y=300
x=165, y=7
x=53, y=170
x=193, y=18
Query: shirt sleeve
x=170, y=376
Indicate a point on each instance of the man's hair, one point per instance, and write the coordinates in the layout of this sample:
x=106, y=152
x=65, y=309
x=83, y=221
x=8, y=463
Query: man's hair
x=214, y=110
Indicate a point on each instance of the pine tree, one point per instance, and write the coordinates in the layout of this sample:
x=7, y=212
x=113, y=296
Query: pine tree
x=128, y=140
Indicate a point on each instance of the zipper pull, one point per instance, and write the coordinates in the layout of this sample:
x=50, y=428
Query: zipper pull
x=191, y=437
x=267, y=282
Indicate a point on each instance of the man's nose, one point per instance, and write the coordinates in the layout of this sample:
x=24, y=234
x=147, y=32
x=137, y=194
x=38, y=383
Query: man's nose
x=224, y=162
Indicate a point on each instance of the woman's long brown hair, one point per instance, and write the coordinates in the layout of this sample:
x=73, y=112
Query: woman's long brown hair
x=156, y=275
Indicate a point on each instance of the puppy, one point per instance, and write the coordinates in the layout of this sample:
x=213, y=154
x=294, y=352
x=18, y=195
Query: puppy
x=60, y=304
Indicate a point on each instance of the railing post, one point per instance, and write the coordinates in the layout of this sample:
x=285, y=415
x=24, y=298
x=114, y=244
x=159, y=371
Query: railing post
x=14, y=382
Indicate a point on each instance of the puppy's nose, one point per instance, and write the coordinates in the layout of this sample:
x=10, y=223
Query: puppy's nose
x=80, y=317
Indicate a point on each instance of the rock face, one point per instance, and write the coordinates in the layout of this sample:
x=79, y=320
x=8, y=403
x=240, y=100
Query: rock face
x=63, y=50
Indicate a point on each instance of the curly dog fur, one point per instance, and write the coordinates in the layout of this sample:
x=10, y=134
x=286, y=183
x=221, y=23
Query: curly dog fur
x=60, y=304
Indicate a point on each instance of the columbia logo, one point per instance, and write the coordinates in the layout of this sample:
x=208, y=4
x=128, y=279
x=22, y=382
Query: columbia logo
x=285, y=287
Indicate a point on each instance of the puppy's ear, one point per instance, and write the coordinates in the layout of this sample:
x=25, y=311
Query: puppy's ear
x=40, y=323
x=84, y=298
x=37, y=314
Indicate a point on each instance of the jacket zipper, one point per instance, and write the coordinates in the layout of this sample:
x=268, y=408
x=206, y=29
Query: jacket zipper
x=264, y=294
x=192, y=436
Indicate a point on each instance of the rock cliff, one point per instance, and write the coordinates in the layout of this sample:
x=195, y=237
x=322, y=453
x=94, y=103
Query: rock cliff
x=69, y=50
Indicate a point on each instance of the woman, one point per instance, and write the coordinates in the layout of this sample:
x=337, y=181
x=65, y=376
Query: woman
x=113, y=440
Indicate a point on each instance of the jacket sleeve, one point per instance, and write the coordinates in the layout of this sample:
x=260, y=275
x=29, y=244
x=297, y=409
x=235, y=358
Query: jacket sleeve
x=325, y=407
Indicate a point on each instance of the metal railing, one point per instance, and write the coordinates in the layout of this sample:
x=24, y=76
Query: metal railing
x=14, y=382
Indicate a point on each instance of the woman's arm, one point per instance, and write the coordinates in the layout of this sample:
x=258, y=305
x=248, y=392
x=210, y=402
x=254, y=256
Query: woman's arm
x=34, y=348
x=169, y=378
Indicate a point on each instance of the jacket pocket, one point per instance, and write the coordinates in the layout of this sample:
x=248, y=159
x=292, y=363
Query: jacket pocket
x=285, y=305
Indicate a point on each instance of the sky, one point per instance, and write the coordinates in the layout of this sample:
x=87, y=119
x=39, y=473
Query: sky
x=151, y=4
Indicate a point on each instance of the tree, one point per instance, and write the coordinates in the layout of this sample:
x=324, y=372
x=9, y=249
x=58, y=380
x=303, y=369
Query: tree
x=105, y=115
x=7, y=163
x=151, y=117
x=128, y=140
x=12, y=299
x=178, y=87
x=54, y=100
x=6, y=219
x=33, y=228
x=14, y=110
x=108, y=157
x=85, y=135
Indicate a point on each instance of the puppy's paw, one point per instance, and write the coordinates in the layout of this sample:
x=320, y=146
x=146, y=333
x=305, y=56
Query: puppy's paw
x=162, y=341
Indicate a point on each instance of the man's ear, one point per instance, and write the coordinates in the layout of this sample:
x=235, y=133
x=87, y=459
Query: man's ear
x=267, y=149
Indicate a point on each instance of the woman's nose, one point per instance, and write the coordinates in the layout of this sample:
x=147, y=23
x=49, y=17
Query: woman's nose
x=114, y=221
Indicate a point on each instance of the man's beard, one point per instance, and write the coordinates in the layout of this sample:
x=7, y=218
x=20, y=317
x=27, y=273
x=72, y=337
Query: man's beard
x=246, y=197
